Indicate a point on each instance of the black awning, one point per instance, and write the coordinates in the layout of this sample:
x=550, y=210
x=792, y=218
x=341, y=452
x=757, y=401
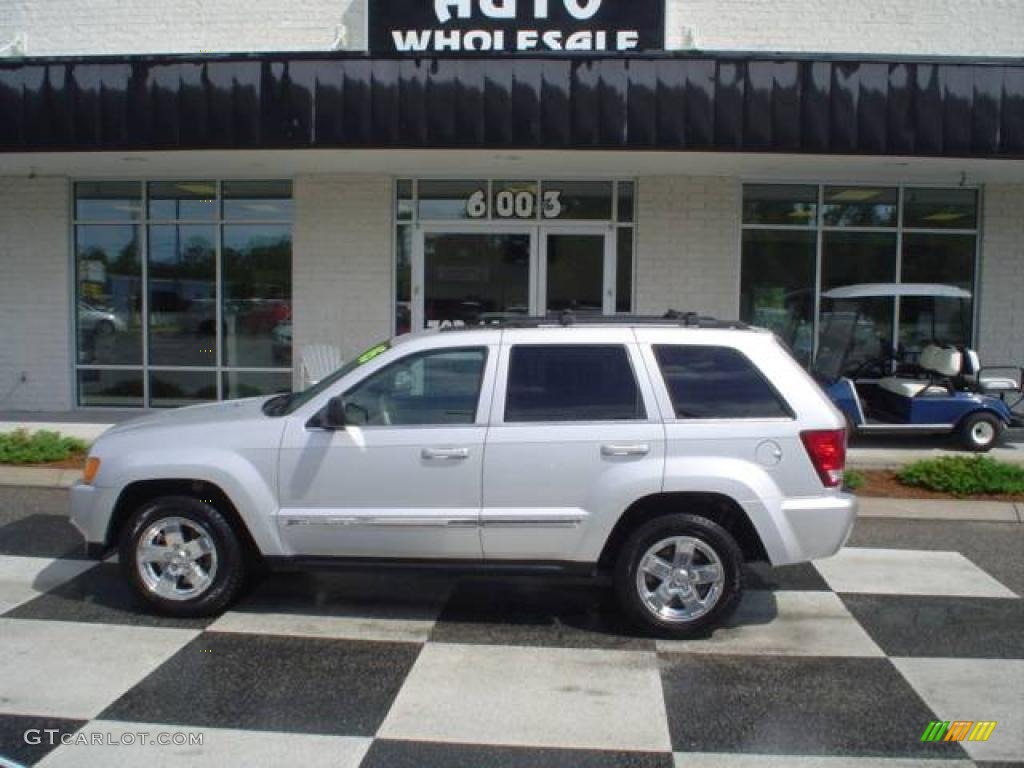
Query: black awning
x=737, y=102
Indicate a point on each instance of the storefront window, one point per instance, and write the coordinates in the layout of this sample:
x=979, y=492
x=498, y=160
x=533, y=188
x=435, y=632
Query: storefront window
x=860, y=207
x=777, y=288
x=856, y=243
x=448, y=200
x=109, y=307
x=780, y=205
x=154, y=326
x=940, y=209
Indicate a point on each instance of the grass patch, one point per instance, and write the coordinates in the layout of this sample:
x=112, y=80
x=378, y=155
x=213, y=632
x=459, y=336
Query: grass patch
x=854, y=479
x=965, y=476
x=42, y=447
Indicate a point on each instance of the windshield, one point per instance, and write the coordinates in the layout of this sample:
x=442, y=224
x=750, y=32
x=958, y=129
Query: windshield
x=282, y=405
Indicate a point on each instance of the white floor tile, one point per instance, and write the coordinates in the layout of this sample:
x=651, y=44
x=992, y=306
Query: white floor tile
x=69, y=669
x=335, y=627
x=550, y=697
x=23, y=578
x=253, y=749
x=908, y=572
x=703, y=760
x=974, y=689
x=785, y=624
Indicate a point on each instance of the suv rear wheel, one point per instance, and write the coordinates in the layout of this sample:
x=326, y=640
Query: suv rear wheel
x=679, y=574
x=182, y=556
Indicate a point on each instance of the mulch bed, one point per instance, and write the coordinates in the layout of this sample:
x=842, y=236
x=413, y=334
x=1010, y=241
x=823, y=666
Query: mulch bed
x=883, y=482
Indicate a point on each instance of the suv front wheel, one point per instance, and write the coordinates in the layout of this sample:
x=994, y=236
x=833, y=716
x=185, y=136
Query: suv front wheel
x=679, y=574
x=182, y=556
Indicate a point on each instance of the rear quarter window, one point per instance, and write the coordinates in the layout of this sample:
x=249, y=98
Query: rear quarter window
x=717, y=383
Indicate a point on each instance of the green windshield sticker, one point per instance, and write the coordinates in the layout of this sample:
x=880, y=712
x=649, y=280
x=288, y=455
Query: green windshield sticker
x=371, y=353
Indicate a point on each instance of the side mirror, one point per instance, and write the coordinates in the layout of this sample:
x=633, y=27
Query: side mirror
x=334, y=416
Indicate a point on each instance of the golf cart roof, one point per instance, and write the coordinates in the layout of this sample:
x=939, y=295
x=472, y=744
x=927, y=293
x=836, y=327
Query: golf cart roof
x=886, y=290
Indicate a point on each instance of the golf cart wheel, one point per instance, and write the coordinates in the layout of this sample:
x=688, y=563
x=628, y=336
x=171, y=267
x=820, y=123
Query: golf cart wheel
x=980, y=432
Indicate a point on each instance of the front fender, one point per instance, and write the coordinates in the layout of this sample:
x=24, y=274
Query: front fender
x=247, y=483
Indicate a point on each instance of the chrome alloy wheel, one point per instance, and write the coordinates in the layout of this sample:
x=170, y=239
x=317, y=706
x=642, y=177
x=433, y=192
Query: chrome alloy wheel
x=983, y=433
x=680, y=579
x=176, y=558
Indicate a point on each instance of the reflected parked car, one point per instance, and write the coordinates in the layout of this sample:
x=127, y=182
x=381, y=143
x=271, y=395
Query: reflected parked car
x=282, y=343
x=98, y=320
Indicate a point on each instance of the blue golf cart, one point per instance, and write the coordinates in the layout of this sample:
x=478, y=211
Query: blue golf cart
x=939, y=388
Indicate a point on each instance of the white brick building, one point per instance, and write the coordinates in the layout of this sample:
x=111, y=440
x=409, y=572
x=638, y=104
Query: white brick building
x=192, y=193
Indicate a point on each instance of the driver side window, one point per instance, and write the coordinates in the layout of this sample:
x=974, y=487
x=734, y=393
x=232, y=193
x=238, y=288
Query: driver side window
x=434, y=388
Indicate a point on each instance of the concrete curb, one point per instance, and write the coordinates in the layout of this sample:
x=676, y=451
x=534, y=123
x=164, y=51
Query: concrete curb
x=940, y=509
x=895, y=458
x=39, y=477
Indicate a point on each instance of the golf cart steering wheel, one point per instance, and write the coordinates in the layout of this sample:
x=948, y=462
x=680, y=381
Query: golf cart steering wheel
x=874, y=365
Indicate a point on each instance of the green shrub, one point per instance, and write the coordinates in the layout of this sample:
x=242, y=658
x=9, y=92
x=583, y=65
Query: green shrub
x=964, y=476
x=40, y=447
x=854, y=479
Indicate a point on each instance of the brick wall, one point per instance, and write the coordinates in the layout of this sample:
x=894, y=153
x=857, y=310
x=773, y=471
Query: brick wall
x=688, y=245
x=1001, y=329
x=34, y=304
x=342, y=261
x=951, y=27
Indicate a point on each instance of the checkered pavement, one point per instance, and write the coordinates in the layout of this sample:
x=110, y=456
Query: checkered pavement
x=840, y=664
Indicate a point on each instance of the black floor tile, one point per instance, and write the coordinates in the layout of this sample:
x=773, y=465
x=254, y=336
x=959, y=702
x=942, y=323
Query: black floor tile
x=948, y=627
x=41, y=536
x=331, y=593
x=101, y=595
x=258, y=682
x=803, y=577
x=536, y=613
x=419, y=754
x=24, y=738
x=806, y=706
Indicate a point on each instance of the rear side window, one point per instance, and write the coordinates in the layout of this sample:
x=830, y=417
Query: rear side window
x=717, y=383
x=572, y=383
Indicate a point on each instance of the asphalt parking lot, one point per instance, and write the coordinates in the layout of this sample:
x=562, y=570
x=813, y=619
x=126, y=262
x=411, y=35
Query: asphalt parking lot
x=842, y=663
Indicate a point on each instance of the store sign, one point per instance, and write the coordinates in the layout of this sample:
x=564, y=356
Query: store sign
x=437, y=27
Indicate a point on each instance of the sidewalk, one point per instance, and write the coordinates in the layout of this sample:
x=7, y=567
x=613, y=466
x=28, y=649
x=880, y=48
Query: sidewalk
x=896, y=452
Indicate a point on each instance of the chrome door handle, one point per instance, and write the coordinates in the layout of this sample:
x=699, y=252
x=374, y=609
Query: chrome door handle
x=632, y=449
x=445, y=454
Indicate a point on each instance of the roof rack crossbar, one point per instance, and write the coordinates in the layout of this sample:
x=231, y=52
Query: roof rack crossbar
x=569, y=318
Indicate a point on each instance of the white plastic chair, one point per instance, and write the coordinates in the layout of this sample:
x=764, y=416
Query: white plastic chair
x=319, y=361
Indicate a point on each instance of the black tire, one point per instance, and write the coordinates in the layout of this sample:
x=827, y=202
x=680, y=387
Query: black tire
x=228, y=576
x=980, y=432
x=711, y=536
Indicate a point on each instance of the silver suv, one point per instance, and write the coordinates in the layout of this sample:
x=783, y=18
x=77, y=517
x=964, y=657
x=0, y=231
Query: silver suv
x=664, y=452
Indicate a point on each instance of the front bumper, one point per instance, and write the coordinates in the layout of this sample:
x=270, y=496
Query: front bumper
x=819, y=526
x=91, y=507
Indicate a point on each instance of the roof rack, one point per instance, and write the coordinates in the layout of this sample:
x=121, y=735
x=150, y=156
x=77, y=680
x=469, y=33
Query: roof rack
x=569, y=318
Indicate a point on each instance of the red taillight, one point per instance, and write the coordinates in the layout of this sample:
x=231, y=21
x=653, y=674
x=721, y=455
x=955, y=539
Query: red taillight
x=827, y=449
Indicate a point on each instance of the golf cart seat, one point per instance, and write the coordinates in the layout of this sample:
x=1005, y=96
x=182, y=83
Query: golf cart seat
x=938, y=362
x=989, y=383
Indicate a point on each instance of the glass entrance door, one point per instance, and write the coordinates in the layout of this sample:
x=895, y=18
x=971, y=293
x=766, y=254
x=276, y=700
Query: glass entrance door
x=576, y=272
x=470, y=277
